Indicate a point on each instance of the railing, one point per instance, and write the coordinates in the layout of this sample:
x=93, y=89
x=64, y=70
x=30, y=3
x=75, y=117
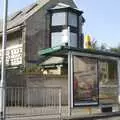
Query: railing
x=22, y=101
x=37, y=101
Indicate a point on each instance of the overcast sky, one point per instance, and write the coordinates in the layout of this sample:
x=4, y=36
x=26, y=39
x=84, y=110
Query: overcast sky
x=102, y=18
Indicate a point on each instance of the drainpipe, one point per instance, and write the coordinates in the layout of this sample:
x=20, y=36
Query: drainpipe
x=118, y=73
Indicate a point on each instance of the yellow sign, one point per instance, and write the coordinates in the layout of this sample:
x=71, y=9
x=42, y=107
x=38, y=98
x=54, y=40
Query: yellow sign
x=87, y=42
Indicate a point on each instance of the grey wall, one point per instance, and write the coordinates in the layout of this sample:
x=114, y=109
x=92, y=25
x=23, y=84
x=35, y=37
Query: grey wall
x=34, y=90
x=47, y=81
x=38, y=29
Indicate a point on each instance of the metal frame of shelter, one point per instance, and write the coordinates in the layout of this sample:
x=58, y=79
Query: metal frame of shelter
x=70, y=52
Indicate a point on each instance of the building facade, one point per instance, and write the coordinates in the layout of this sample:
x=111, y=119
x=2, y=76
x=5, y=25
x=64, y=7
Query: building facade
x=28, y=31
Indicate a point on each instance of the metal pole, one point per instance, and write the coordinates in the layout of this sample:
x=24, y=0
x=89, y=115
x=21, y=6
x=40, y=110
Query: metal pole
x=69, y=75
x=69, y=83
x=3, y=60
x=72, y=80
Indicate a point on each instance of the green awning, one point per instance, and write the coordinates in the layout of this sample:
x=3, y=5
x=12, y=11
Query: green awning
x=50, y=50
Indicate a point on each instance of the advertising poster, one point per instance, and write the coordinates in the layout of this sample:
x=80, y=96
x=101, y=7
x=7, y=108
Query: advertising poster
x=85, y=82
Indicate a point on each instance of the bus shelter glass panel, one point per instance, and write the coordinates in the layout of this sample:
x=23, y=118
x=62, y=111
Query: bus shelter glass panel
x=85, y=83
x=108, y=87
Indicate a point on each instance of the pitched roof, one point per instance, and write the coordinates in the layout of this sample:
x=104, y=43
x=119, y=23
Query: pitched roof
x=52, y=60
x=18, y=18
x=64, y=6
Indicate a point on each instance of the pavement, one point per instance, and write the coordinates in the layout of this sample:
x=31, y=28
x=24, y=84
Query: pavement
x=112, y=118
x=101, y=116
x=35, y=118
x=46, y=113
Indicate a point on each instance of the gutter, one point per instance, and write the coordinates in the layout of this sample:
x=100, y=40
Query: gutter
x=13, y=29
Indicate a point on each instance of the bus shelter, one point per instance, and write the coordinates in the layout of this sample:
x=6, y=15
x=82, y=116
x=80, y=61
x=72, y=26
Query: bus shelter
x=93, y=76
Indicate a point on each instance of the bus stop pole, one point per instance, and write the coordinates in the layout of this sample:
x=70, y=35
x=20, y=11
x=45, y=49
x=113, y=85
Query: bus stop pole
x=3, y=61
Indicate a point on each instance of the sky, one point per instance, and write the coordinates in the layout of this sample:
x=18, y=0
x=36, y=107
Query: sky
x=102, y=18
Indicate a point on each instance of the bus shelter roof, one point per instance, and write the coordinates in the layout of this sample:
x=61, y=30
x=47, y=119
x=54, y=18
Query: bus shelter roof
x=64, y=50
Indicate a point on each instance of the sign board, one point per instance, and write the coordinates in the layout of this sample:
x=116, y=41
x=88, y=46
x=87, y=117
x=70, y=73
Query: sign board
x=13, y=55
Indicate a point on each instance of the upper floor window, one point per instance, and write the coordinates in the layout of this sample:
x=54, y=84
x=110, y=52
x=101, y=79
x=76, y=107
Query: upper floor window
x=72, y=19
x=59, y=18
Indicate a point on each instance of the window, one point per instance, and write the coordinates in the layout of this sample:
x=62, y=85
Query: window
x=72, y=19
x=59, y=38
x=58, y=19
x=73, y=39
x=107, y=81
